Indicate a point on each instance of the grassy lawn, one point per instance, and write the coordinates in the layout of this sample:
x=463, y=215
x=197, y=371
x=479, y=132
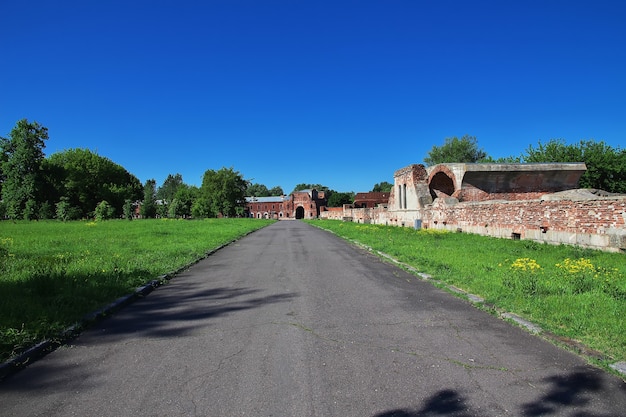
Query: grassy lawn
x=53, y=273
x=569, y=291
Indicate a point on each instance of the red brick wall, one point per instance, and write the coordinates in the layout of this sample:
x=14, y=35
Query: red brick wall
x=595, y=223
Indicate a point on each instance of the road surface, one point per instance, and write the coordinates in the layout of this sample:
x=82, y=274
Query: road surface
x=294, y=321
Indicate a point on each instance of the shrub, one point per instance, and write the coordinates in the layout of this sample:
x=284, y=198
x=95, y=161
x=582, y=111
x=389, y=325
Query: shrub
x=104, y=211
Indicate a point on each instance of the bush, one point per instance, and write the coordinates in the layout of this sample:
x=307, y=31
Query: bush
x=104, y=211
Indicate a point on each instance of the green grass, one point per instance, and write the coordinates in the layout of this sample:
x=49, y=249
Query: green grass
x=569, y=291
x=54, y=273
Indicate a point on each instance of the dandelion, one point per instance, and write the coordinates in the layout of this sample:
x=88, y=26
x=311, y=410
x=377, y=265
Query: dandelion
x=577, y=266
x=525, y=265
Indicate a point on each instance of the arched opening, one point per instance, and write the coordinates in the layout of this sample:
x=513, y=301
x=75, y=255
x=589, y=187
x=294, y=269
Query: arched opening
x=300, y=213
x=441, y=185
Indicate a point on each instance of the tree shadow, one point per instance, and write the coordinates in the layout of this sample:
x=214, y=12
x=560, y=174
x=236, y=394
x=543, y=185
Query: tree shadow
x=443, y=403
x=175, y=310
x=575, y=390
x=583, y=392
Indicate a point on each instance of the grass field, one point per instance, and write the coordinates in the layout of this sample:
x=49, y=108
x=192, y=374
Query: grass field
x=569, y=291
x=53, y=273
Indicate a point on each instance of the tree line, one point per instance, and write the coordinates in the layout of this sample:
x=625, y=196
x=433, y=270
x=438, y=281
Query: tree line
x=78, y=183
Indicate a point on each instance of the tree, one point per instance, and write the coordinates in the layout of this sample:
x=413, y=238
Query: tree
x=167, y=191
x=303, y=186
x=257, y=190
x=21, y=157
x=222, y=192
x=382, y=187
x=276, y=191
x=128, y=209
x=104, y=211
x=183, y=201
x=339, y=199
x=148, y=208
x=87, y=178
x=260, y=190
x=456, y=150
x=65, y=211
x=606, y=166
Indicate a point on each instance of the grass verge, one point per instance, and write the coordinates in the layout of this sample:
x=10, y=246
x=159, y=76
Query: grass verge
x=571, y=292
x=53, y=273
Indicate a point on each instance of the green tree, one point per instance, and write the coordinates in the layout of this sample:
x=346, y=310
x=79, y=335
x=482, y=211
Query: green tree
x=257, y=190
x=276, y=191
x=128, y=209
x=183, y=201
x=339, y=199
x=167, y=191
x=456, y=150
x=65, y=211
x=303, y=186
x=606, y=166
x=21, y=156
x=382, y=187
x=148, y=208
x=87, y=178
x=104, y=211
x=223, y=192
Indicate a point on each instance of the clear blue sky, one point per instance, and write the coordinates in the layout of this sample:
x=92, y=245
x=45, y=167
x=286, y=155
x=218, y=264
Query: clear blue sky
x=340, y=93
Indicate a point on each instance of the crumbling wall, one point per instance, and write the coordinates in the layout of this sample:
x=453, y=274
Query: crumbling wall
x=599, y=223
x=519, y=201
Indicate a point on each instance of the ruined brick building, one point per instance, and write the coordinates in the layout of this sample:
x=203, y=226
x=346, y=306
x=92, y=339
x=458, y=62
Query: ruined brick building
x=520, y=201
x=370, y=200
x=305, y=204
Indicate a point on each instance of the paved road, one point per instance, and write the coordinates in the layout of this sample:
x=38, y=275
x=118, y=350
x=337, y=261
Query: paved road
x=293, y=321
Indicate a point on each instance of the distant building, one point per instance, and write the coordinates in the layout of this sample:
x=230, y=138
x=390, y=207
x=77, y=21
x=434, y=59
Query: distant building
x=305, y=204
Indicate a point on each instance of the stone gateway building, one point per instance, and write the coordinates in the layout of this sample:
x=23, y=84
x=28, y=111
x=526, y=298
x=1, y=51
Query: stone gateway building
x=305, y=204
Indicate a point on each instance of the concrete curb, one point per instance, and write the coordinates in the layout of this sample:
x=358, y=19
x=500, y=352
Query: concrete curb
x=45, y=347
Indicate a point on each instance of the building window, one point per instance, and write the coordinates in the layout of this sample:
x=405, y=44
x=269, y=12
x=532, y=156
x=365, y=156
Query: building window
x=404, y=195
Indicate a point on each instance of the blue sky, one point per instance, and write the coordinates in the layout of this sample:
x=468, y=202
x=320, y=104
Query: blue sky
x=340, y=93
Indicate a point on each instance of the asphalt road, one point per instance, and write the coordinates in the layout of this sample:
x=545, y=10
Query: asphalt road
x=293, y=321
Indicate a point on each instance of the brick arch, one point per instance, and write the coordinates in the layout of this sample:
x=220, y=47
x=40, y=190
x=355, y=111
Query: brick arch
x=441, y=182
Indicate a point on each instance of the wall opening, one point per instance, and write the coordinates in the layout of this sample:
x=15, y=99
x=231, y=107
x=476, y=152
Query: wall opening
x=441, y=185
x=404, y=196
x=300, y=213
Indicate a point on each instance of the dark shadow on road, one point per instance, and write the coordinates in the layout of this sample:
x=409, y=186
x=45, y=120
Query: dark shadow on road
x=585, y=392
x=442, y=403
x=174, y=311
x=573, y=390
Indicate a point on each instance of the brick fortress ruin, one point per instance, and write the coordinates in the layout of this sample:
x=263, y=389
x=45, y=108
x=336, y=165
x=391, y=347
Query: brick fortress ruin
x=539, y=202
x=305, y=204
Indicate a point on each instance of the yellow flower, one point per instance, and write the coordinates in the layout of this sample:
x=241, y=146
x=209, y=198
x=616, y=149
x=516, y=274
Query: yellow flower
x=525, y=264
x=582, y=265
